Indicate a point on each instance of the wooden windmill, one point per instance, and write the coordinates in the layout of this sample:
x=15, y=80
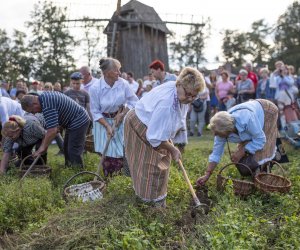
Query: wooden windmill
x=136, y=35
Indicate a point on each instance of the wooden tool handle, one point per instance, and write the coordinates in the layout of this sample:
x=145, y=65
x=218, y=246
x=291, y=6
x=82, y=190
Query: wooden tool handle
x=31, y=166
x=196, y=200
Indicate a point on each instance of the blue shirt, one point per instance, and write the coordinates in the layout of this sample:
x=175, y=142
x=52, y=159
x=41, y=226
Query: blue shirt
x=60, y=110
x=4, y=93
x=13, y=92
x=249, y=122
x=168, y=78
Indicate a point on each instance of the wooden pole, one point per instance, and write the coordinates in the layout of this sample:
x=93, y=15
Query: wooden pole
x=111, y=54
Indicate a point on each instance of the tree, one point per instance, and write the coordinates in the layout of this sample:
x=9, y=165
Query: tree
x=15, y=60
x=4, y=54
x=190, y=51
x=20, y=59
x=256, y=42
x=91, y=40
x=52, y=44
x=287, y=36
x=235, y=47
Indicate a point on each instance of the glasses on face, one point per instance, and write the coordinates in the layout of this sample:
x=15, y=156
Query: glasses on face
x=188, y=94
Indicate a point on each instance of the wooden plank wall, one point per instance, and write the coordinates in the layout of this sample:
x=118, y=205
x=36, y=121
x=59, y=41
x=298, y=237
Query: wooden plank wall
x=138, y=47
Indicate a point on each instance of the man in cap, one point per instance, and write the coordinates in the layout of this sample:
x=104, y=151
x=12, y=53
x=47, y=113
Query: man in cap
x=77, y=94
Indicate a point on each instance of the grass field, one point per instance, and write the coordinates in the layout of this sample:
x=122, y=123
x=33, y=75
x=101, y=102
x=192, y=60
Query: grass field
x=34, y=216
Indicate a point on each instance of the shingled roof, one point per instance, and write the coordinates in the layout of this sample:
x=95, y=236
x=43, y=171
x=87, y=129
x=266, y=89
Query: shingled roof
x=135, y=12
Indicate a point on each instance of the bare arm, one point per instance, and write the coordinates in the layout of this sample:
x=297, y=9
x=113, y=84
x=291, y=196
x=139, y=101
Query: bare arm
x=203, y=179
x=107, y=126
x=120, y=116
x=88, y=109
x=49, y=136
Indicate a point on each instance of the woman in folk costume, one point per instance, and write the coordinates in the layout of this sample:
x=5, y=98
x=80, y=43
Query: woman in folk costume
x=253, y=125
x=108, y=96
x=157, y=118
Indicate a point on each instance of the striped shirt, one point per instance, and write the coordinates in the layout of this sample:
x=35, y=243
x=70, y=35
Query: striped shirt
x=31, y=133
x=60, y=110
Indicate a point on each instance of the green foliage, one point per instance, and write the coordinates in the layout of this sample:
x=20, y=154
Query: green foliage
x=256, y=42
x=4, y=53
x=15, y=62
x=39, y=219
x=287, y=35
x=91, y=40
x=52, y=44
x=190, y=51
x=238, y=45
x=234, y=47
x=27, y=205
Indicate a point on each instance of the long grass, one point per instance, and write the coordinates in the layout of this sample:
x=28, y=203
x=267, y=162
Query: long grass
x=39, y=219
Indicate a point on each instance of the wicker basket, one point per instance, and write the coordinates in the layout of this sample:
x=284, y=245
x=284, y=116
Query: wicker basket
x=13, y=159
x=89, y=144
x=37, y=170
x=88, y=191
x=267, y=182
x=240, y=187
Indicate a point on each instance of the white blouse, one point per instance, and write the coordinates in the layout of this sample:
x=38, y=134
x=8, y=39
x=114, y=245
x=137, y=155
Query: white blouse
x=162, y=113
x=106, y=99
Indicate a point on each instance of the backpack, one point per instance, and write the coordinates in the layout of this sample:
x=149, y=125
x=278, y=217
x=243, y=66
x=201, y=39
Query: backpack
x=198, y=105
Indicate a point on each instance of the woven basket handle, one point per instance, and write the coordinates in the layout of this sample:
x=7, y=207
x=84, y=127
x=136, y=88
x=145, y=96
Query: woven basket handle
x=97, y=176
x=25, y=158
x=233, y=163
x=280, y=167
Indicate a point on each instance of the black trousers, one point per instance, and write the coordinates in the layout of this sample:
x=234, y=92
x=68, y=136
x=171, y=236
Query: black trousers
x=207, y=113
x=74, y=145
x=23, y=152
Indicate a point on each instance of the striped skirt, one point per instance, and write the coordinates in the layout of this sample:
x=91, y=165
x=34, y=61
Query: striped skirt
x=148, y=167
x=115, y=148
x=271, y=132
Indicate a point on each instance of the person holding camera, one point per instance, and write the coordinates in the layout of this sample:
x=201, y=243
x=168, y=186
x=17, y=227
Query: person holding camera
x=286, y=91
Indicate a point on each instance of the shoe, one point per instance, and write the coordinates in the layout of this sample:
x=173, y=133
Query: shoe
x=199, y=134
x=191, y=134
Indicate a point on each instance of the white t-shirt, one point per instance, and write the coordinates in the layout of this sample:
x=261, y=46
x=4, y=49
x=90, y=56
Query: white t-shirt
x=134, y=86
x=162, y=113
x=9, y=107
x=87, y=86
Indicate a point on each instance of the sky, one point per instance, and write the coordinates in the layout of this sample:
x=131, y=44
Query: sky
x=229, y=14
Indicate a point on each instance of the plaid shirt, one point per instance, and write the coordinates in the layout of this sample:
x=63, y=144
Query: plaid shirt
x=31, y=133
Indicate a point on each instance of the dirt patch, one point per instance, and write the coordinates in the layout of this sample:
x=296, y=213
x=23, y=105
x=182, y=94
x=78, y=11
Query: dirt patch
x=194, y=215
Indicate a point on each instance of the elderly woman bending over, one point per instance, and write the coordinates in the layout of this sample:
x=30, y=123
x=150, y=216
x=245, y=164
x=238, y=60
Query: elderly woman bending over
x=27, y=133
x=251, y=124
x=157, y=118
